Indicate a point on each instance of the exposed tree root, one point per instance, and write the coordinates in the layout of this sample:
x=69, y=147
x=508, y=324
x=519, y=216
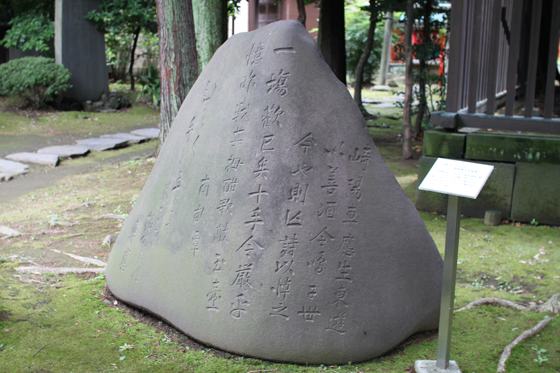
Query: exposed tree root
x=526, y=334
x=552, y=305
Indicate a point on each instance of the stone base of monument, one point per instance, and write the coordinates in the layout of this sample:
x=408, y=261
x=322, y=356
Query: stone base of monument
x=429, y=366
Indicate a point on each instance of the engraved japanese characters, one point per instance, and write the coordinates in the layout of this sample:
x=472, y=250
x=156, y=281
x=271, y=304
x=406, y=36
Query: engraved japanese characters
x=270, y=226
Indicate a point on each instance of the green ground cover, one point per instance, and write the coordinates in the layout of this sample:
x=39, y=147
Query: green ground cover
x=52, y=323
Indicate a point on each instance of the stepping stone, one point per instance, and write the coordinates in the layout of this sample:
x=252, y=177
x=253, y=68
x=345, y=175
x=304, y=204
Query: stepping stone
x=131, y=139
x=36, y=158
x=5, y=177
x=13, y=168
x=269, y=230
x=152, y=133
x=65, y=151
x=102, y=144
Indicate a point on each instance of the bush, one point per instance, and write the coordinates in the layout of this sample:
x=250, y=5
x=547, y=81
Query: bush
x=34, y=79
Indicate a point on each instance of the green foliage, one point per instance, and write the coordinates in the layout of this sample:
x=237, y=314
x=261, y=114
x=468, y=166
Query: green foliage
x=123, y=21
x=35, y=79
x=30, y=31
x=357, y=26
x=151, y=85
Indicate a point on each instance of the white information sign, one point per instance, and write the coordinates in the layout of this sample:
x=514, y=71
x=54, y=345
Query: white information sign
x=458, y=178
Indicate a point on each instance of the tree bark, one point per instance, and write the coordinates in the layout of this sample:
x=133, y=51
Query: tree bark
x=365, y=55
x=302, y=16
x=178, y=58
x=386, y=51
x=210, y=24
x=407, y=113
x=422, y=57
x=331, y=38
x=132, y=57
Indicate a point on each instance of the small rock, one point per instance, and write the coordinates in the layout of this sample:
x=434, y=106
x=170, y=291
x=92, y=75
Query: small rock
x=43, y=159
x=7, y=231
x=109, y=240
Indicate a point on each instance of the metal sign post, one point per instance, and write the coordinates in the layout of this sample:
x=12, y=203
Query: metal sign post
x=457, y=179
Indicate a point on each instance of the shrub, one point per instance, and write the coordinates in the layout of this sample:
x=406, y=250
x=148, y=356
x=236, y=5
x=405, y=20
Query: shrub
x=34, y=79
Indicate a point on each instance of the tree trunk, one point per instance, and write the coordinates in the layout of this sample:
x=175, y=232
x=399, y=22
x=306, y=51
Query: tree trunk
x=132, y=57
x=365, y=55
x=407, y=114
x=331, y=38
x=422, y=57
x=302, y=17
x=210, y=23
x=387, y=36
x=178, y=58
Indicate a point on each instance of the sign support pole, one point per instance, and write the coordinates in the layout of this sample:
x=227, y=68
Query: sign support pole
x=449, y=277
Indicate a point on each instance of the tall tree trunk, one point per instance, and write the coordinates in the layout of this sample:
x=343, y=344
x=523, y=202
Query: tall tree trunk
x=331, y=38
x=132, y=57
x=386, y=51
x=365, y=55
x=178, y=58
x=210, y=24
x=302, y=16
x=407, y=114
x=422, y=57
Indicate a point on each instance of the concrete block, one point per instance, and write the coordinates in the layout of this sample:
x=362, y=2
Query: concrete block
x=439, y=143
x=536, y=194
x=429, y=366
x=513, y=148
x=495, y=195
x=80, y=47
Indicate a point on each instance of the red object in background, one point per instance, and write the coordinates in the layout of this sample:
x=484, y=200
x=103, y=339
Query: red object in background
x=417, y=39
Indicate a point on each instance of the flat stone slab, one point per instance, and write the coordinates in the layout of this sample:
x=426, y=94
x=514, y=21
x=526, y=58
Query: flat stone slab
x=429, y=366
x=130, y=138
x=266, y=228
x=36, y=158
x=101, y=144
x=5, y=177
x=152, y=133
x=65, y=151
x=13, y=168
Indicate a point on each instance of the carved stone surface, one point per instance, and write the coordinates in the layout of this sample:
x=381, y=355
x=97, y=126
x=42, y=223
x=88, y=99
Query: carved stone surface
x=270, y=226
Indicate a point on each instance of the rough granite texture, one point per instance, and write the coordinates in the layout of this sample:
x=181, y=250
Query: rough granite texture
x=495, y=195
x=535, y=194
x=270, y=226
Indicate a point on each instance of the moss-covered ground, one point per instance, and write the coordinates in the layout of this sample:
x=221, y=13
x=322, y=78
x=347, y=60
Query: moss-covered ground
x=51, y=323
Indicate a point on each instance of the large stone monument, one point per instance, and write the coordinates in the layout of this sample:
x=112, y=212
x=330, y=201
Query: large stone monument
x=270, y=226
x=80, y=47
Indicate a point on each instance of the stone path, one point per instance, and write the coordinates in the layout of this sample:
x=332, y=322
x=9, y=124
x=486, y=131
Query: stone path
x=17, y=163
